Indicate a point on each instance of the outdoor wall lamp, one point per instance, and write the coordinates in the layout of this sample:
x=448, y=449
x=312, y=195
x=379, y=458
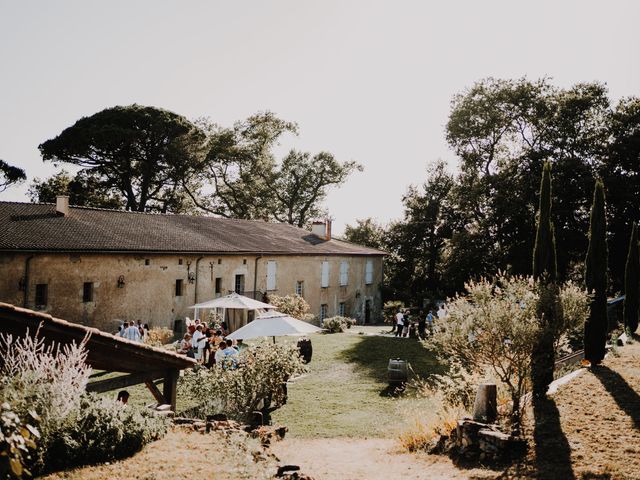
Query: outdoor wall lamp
x=121, y=281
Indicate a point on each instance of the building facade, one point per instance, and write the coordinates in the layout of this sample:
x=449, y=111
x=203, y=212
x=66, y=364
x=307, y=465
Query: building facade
x=99, y=267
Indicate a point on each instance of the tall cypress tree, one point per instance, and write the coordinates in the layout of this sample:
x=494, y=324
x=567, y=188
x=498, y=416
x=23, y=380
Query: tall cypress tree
x=544, y=252
x=595, y=328
x=632, y=283
x=545, y=273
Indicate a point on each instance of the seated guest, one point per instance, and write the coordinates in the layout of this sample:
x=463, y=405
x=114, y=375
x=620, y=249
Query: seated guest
x=185, y=345
x=123, y=397
x=219, y=355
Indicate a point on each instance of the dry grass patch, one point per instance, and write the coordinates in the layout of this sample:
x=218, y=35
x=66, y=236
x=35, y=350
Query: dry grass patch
x=184, y=455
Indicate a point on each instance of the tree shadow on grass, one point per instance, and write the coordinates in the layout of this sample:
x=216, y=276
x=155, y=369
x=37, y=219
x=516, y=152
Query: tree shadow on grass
x=371, y=355
x=553, y=452
x=626, y=397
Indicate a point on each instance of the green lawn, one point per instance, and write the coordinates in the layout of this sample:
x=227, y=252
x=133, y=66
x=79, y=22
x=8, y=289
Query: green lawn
x=345, y=393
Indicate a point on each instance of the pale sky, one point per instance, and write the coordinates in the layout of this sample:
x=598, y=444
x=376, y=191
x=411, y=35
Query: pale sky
x=366, y=80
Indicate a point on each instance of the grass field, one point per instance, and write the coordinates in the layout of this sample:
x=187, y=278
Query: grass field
x=345, y=393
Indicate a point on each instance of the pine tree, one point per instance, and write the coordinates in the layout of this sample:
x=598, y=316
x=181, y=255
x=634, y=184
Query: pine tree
x=632, y=283
x=595, y=328
x=545, y=273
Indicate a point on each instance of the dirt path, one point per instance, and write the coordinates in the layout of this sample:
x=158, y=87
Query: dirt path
x=365, y=459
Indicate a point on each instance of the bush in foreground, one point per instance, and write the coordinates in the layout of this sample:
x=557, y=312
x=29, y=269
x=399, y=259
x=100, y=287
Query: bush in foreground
x=260, y=375
x=49, y=383
x=493, y=329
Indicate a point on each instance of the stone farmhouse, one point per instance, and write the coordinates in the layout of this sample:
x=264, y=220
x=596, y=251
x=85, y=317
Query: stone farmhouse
x=97, y=266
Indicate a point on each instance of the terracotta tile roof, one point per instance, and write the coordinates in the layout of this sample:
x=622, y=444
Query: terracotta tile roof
x=38, y=227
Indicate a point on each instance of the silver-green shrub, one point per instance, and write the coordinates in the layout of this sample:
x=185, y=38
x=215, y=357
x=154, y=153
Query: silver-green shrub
x=260, y=374
x=103, y=429
x=337, y=324
x=49, y=383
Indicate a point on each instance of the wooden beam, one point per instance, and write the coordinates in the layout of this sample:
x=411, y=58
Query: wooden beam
x=125, y=381
x=169, y=389
x=157, y=394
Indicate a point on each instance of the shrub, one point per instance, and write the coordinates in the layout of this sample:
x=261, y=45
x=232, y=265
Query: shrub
x=337, y=324
x=292, y=305
x=423, y=434
x=495, y=328
x=160, y=336
x=47, y=380
x=262, y=370
x=102, y=430
x=17, y=442
x=390, y=309
x=48, y=383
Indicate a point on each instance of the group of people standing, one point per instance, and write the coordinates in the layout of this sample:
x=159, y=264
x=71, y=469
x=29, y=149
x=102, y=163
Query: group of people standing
x=135, y=331
x=209, y=346
x=406, y=325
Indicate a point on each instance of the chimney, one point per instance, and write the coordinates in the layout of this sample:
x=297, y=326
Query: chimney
x=322, y=229
x=62, y=205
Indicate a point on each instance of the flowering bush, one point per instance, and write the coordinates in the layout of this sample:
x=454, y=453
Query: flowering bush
x=292, y=305
x=337, y=324
x=261, y=372
x=160, y=336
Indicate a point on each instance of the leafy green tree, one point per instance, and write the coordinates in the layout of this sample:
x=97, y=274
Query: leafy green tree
x=415, y=243
x=300, y=184
x=366, y=232
x=621, y=174
x=632, y=283
x=142, y=155
x=10, y=175
x=248, y=181
x=503, y=131
x=548, y=308
x=595, y=329
x=81, y=189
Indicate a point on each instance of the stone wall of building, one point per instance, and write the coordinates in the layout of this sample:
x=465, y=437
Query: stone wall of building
x=143, y=286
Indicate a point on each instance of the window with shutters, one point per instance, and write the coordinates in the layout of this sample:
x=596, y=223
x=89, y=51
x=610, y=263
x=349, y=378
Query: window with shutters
x=368, y=273
x=324, y=281
x=342, y=309
x=323, y=311
x=271, y=275
x=218, y=286
x=300, y=288
x=344, y=273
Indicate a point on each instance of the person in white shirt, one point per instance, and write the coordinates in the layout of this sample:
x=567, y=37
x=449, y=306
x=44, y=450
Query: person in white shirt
x=198, y=342
x=399, y=323
x=441, y=312
x=130, y=332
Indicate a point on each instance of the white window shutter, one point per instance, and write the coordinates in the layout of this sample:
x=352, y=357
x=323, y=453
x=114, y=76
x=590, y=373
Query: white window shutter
x=344, y=273
x=271, y=275
x=368, y=274
x=324, y=282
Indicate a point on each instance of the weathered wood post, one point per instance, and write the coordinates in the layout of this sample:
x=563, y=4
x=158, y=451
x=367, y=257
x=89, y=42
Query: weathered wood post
x=170, y=387
x=485, y=408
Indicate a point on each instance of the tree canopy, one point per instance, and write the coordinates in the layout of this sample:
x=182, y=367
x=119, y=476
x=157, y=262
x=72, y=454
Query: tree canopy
x=10, y=175
x=141, y=155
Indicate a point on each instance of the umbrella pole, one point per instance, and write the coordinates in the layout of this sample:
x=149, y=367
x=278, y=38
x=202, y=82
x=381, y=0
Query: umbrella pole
x=274, y=339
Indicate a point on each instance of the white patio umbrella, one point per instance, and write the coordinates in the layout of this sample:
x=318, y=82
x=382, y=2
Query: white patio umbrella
x=233, y=300
x=274, y=324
